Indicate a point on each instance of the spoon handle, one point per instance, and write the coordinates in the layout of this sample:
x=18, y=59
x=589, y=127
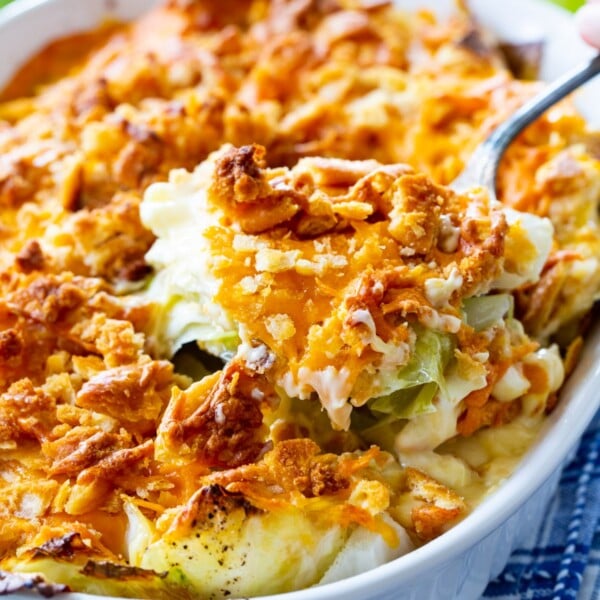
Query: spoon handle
x=482, y=168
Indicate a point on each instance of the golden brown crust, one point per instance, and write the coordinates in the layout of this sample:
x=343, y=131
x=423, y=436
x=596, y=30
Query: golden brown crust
x=295, y=469
x=242, y=188
x=415, y=218
x=79, y=449
x=31, y=257
x=133, y=394
x=26, y=412
x=292, y=465
x=78, y=399
x=219, y=424
x=436, y=505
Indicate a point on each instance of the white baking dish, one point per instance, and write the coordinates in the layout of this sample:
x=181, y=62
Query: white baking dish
x=460, y=563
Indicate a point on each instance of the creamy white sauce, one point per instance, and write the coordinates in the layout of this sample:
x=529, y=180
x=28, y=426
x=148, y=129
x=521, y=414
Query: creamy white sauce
x=511, y=385
x=540, y=233
x=333, y=387
x=439, y=290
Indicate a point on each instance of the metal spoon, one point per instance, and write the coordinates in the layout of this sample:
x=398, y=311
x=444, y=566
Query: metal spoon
x=482, y=168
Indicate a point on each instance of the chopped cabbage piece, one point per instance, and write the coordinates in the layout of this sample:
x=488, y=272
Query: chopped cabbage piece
x=485, y=311
x=415, y=386
x=182, y=293
x=366, y=550
x=105, y=578
x=240, y=551
x=528, y=246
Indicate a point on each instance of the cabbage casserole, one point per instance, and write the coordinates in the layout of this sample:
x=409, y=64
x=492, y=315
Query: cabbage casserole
x=250, y=340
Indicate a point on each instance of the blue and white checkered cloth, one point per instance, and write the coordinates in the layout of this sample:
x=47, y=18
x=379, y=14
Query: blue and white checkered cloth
x=562, y=560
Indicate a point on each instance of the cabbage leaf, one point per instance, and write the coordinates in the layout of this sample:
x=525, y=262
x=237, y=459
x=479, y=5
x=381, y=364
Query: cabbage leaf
x=482, y=312
x=414, y=387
